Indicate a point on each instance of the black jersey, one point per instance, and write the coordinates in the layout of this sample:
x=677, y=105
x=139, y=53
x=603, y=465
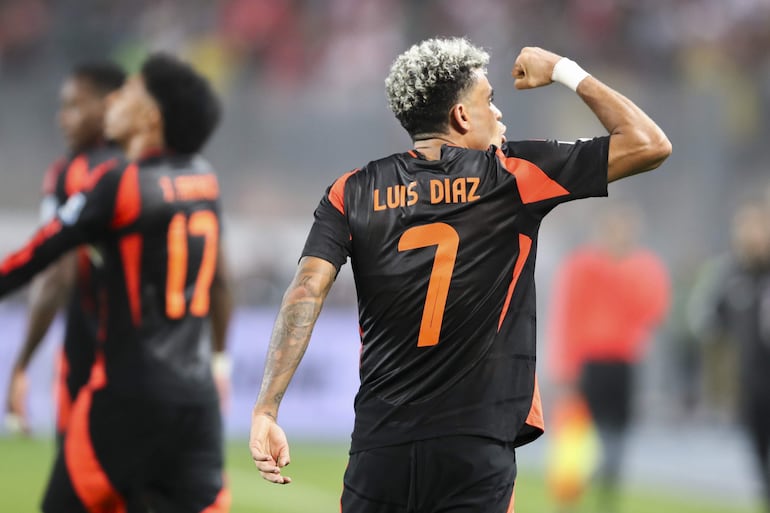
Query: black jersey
x=155, y=225
x=443, y=255
x=65, y=178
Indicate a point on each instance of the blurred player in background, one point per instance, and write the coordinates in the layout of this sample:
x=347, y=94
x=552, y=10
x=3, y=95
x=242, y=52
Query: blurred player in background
x=607, y=298
x=732, y=300
x=145, y=433
x=82, y=103
x=442, y=240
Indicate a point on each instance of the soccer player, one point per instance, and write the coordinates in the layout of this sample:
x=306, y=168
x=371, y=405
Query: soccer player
x=145, y=433
x=82, y=103
x=442, y=241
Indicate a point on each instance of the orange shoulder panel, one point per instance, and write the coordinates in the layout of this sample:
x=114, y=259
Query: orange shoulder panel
x=534, y=184
x=337, y=192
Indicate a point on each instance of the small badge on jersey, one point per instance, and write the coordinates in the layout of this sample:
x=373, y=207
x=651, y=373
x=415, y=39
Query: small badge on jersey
x=48, y=208
x=70, y=211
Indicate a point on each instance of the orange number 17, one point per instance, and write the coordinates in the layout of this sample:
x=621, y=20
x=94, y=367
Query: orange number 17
x=202, y=223
x=447, y=241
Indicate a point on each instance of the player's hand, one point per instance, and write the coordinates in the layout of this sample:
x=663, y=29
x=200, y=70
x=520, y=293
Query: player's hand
x=269, y=448
x=534, y=67
x=15, y=408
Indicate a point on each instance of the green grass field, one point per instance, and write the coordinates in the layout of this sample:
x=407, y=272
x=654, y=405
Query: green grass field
x=317, y=472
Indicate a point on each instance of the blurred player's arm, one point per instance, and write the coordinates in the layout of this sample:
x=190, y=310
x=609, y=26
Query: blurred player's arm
x=299, y=311
x=84, y=218
x=637, y=144
x=48, y=293
x=221, y=302
x=221, y=312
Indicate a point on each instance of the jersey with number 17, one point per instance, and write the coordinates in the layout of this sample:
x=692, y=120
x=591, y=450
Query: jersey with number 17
x=443, y=256
x=155, y=226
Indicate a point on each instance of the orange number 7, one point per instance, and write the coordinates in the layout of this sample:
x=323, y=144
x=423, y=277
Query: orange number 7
x=202, y=223
x=447, y=241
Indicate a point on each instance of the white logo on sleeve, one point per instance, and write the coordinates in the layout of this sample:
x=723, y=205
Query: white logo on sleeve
x=70, y=211
x=48, y=209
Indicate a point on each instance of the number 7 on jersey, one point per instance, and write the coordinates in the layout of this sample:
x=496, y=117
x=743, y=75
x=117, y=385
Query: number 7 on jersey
x=447, y=241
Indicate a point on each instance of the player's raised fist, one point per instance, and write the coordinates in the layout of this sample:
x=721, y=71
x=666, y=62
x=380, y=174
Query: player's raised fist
x=534, y=67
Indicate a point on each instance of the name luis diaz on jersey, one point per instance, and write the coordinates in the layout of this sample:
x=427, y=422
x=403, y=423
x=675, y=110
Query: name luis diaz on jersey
x=446, y=190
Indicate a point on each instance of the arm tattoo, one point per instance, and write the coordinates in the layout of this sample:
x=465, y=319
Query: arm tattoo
x=291, y=334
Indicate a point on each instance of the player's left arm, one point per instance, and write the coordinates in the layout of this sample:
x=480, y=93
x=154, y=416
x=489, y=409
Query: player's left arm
x=222, y=302
x=637, y=143
x=299, y=311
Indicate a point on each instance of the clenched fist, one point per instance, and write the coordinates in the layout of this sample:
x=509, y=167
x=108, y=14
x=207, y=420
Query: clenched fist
x=534, y=67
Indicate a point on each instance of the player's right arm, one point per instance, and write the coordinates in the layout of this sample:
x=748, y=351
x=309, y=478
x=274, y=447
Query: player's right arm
x=327, y=248
x=637, y=143
x=48, y=292
x=299, y=311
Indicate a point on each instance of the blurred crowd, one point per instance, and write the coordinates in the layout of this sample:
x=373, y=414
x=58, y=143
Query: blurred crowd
x=295, y=43
x=302, y=86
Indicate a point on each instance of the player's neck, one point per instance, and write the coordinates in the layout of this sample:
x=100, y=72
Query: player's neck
x=430, y=148
x=87, y=145
x=142, y=144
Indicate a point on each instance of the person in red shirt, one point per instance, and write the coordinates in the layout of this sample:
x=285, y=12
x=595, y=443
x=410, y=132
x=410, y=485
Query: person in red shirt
x=607, y=298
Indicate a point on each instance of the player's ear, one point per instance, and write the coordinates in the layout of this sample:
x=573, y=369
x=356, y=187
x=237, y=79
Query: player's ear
x=459, y=118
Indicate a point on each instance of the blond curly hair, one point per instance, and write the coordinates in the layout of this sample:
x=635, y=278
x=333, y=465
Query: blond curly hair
x=428, y=79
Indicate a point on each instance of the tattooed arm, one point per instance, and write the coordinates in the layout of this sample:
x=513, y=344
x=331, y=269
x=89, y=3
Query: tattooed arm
x=291, y=334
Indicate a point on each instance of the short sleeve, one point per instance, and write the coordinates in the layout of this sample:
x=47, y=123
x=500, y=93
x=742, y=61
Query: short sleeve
x=85, y=217
x=329, y=237
x=553, y=172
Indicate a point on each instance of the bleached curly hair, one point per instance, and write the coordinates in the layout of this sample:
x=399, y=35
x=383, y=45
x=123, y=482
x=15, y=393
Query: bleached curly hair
x=428, y=79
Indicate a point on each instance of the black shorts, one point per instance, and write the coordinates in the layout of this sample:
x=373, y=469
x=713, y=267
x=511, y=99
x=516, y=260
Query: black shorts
x=131, y=456
x=462, y=474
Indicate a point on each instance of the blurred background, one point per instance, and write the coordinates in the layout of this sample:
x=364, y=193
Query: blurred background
x=302, y=86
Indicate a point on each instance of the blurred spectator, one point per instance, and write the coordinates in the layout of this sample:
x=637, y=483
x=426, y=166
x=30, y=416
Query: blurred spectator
x=608, y=296
x=267, y=33
x=22, y=25
x=735, y=303
x=362, y=37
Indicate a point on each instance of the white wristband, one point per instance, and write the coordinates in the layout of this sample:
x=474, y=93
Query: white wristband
x=221, y=366
x=569, y=73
